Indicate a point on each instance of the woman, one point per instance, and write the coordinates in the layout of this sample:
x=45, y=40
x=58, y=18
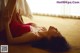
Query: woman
x=17, y=32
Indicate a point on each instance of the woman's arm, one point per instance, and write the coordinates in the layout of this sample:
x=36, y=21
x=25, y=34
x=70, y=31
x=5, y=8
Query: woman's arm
x=27, y=37
x=8, y=33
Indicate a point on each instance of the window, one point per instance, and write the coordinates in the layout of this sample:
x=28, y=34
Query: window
x=55, y=7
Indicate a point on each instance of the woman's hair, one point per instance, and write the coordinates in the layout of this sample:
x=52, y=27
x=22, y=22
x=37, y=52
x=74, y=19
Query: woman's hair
x=56, y=44
x=59, y=44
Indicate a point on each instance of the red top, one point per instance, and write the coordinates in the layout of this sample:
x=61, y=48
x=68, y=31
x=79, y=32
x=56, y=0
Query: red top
x=18, y=29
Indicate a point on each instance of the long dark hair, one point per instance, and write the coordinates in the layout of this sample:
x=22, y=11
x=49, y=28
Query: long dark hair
x=55, y=44
x=59, y=44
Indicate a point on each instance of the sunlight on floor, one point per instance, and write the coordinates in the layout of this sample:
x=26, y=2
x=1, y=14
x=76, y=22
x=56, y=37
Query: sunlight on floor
x=69, y=28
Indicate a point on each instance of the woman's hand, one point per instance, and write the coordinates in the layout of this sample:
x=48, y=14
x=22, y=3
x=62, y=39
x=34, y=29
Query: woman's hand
x=43, y=29
x=34, y=25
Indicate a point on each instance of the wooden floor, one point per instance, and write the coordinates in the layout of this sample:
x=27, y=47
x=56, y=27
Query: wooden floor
x=69, y=28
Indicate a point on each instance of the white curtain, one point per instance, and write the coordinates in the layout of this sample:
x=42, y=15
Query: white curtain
x=46, y=7
x=21, y=5
x=24, y=8
x=52, y=7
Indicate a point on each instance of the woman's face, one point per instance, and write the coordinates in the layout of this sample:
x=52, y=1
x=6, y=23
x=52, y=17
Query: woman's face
x=54, y=32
